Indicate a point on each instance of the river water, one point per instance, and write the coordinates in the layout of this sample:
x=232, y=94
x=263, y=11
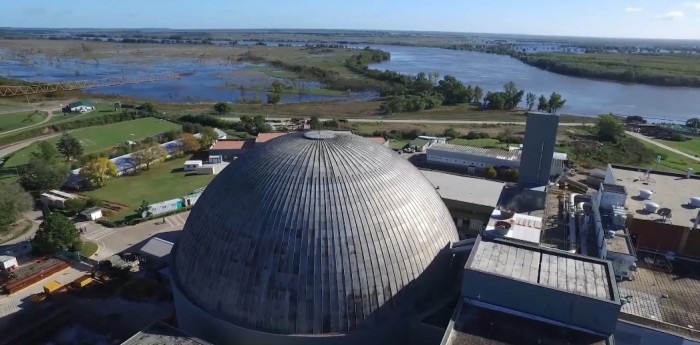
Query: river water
x=583, y=96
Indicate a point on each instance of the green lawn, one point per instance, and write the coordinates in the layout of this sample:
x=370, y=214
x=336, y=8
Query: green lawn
x=162, y=182
x=396, y=144
x=673, y=161
x=22, y=119
x=276, y=72
x=88, y=249
x=99, y=138
x=691, y=147
x=483, y=143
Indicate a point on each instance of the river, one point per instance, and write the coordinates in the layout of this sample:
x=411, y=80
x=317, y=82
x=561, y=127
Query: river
x=583, y=96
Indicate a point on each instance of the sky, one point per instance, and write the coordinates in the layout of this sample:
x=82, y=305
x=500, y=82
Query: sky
x=594, y=18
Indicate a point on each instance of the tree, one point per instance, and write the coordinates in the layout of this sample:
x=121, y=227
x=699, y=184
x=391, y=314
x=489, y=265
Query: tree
x=45, y=170
x=314, y=123
x=69, y=146
x=98, y=170
x=478, y=94
x=511, y=95
x=13, y=203
x=222, y=107
x=188, y=143
x=491, y=172
x=450, y=133
x=470, y=94
x=543, y=104
x=148, y=156
x=56, y=233
x=147, y=108
x=609, y=128
x=209, y=137
x=635, y=119
x=555, y=103
x=506, y=135
x=144, y=209
x=530, y=100
x=452, y=90
x=275, y=95
x=693, y=123
x=75, y=205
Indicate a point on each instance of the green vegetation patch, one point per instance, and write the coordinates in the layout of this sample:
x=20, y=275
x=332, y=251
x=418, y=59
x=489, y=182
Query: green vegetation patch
x=691, y=147
x=22, y=119
x=672, y=161
x=482, y=143
x=665, y=70
x=88, y=249
x=99, y=138
x=162, y=182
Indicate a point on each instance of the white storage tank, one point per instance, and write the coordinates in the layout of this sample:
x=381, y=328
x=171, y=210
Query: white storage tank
x=645, y=194
x=695, y=201
x=651, y=207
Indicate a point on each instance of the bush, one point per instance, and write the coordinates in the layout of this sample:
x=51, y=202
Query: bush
x=93, y=202
x=490, y=172
x=75, y=205
x=678, y=137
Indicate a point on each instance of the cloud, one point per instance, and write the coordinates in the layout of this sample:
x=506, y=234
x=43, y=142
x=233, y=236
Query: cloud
x=634, y=9
x=695, y=5
x=673, y=15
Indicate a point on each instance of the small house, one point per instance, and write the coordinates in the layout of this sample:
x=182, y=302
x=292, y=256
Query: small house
x=8, y=262
x=93, y=213
x=230, y=149
x=215, y=159
x=419, y=144
x=79, y=107
x=192, y=165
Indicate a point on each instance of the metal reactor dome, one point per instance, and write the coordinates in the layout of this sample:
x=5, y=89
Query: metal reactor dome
x=314, y=233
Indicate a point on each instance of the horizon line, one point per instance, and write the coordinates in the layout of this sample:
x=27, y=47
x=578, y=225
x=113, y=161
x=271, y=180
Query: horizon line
x=336, y=29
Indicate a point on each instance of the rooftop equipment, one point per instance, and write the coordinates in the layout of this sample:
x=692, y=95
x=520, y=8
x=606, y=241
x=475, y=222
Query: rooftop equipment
x=645, y=194
x=651, y=207
x=695, y=201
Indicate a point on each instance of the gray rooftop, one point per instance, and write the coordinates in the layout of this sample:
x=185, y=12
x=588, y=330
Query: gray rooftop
x=159, y=333
x=547, y=268
x=671, y=191
x=465, y=189
x=473, y=325
x=499, y=154
x=157, y=247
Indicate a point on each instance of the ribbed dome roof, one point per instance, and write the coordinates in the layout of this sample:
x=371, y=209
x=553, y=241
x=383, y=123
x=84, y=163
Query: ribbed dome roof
x=314, y=233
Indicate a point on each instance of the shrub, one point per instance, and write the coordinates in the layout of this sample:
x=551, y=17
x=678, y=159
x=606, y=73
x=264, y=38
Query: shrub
x=678, y=137
x=490, y=172
x=75, y=205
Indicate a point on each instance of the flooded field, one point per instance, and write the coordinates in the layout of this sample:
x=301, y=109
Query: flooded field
x=204, y=77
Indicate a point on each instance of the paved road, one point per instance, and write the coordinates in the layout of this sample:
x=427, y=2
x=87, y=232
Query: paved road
x=665, y=147
x=115, y=240
x=567, y=124
x=4, y=151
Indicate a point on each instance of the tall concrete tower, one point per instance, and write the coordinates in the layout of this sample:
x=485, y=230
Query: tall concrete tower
x=538, y=149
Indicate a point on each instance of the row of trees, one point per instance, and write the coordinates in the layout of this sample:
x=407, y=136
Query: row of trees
x=250, y=125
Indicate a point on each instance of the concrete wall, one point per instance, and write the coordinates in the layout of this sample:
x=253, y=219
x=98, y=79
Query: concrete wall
x=572, y=309
x=538, y=149
x=199, y=323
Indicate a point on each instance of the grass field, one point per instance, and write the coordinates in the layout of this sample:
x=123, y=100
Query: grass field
x=95, y=139
x=88, y=249
x=21, y=119
x=691, y=147
x=482, y=143
x=673, y=161
x=162, y=182
x=397, y=144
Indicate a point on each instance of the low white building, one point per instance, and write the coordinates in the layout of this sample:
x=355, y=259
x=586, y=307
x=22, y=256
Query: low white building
x=211, y=169
x=192, y=165
x=479, y=158
x=93, y=213
x=8, y=262
x=80, y=107
x=56, y=198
